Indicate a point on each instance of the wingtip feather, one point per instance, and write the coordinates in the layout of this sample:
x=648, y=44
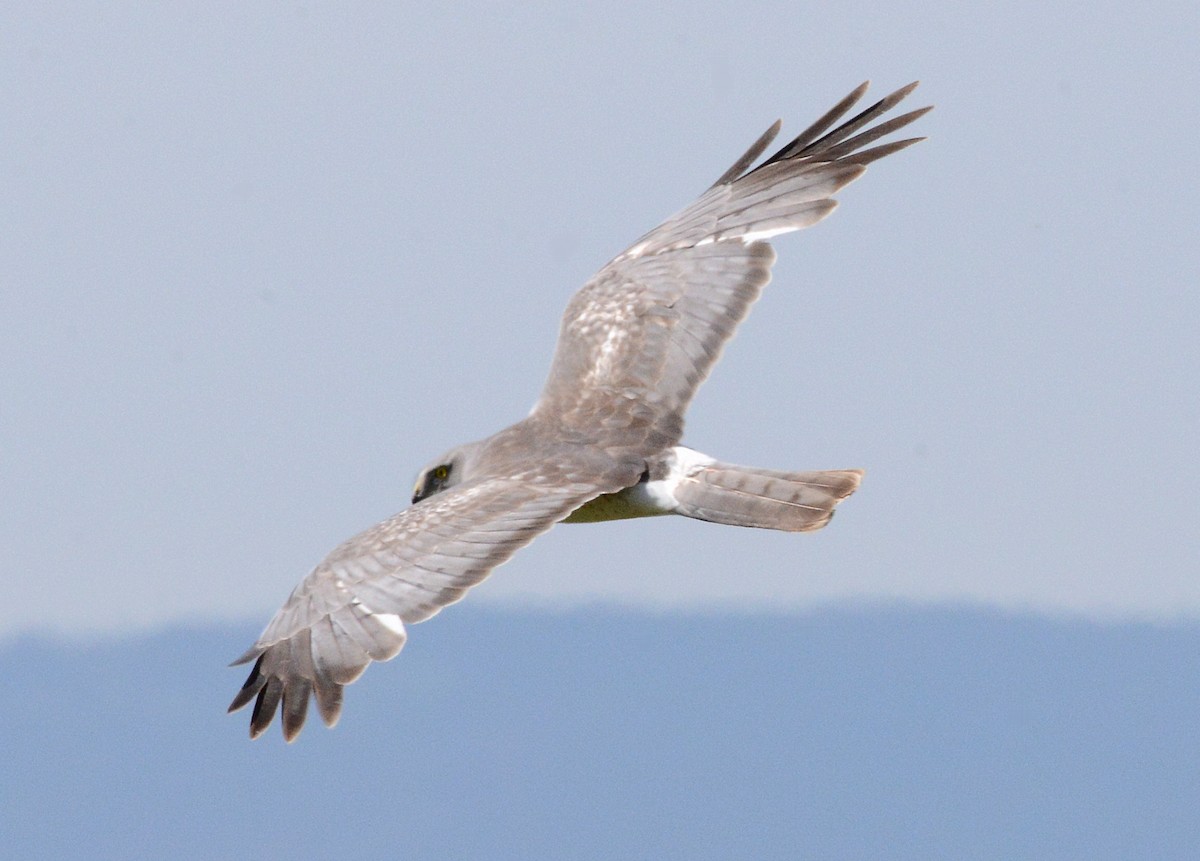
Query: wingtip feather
x=247, y=656
x=265, y=707
x=253, y=684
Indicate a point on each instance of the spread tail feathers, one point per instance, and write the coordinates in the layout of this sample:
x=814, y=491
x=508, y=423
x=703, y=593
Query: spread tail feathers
x=768, y=499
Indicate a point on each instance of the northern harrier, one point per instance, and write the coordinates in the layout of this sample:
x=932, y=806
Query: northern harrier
x=602, y=441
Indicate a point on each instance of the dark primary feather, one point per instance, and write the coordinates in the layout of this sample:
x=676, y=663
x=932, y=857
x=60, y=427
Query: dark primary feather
x=812, y=145
x=756, y=149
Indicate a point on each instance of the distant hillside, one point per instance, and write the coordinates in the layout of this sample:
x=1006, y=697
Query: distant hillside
x=615, y=735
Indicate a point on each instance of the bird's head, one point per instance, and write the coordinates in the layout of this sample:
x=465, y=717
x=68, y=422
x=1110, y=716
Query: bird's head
x=444, y=472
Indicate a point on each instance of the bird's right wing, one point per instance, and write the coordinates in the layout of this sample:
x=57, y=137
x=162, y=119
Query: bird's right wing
x=641, y=336
x=352, y=608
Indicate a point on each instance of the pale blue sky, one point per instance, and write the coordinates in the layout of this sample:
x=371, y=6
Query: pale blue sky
x=259, y=263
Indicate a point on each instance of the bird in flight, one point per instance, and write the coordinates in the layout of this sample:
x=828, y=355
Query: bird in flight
x=602, y=441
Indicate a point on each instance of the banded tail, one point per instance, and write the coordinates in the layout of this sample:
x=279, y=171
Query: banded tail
x=765, y=498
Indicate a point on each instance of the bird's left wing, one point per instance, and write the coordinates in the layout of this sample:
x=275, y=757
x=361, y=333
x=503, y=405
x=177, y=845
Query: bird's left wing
x=352, y=608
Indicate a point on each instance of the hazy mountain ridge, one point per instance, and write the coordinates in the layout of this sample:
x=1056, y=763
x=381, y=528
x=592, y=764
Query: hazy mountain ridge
x=603, y=733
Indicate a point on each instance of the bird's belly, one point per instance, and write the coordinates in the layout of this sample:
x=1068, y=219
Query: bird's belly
x=645, y=499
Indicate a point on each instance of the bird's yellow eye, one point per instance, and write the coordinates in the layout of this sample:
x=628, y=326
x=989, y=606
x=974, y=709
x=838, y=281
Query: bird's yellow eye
x=441, y=473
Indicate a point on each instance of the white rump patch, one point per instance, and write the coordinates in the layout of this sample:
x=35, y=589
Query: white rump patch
x=648, y=498
x=688, y=460
x=658, y=496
